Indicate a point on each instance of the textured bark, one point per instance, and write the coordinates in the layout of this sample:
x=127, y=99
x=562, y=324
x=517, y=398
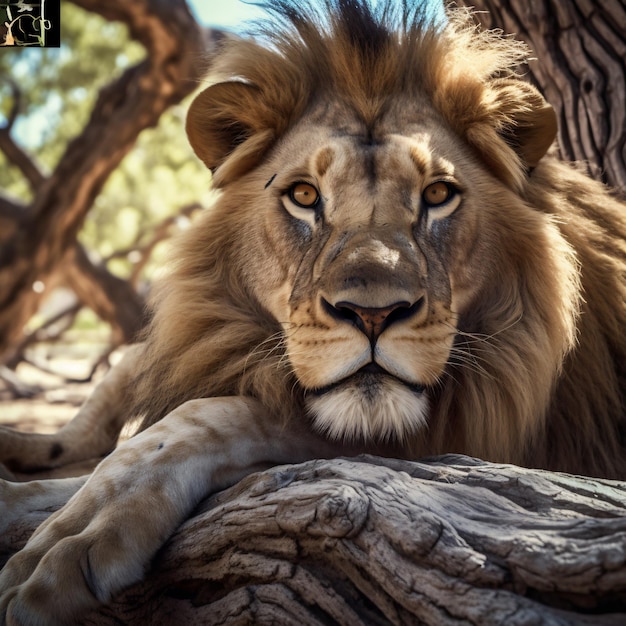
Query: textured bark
x=175, y=44
x=377, y=541
x=373, y=541
x=580, y=49
x=12, y=151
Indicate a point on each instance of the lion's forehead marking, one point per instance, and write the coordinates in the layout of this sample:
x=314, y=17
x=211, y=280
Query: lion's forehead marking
x=323, y=160
x=393, y=154
x=424, y=158
x=421, y=158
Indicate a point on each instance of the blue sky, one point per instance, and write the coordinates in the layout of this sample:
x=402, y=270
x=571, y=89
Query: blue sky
x=231, y=14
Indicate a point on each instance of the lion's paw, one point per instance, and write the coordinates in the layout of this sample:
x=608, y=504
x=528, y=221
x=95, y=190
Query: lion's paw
x=78, y=558
x=99, y=543
x=56, y=580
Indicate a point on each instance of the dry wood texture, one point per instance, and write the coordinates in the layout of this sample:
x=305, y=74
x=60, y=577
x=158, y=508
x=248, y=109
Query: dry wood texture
x=377, y=541
x=580, y=50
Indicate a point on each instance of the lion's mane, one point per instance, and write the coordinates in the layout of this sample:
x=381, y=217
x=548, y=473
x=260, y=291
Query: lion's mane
x=549, y=386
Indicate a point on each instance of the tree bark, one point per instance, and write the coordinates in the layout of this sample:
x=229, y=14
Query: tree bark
x=371, y=541
x=580, y=67
x=175, y=44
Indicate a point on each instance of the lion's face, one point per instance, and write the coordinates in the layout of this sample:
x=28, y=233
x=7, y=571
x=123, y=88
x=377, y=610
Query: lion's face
x=365, y=254
x=376, y=222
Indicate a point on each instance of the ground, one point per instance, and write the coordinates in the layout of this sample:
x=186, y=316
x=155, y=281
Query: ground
x=47, y=411
x=58, y=382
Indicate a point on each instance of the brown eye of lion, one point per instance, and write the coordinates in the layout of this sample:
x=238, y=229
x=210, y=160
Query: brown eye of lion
x=438, y=193
x=304, y=195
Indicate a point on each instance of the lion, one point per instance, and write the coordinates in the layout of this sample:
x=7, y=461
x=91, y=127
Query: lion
x=398, y=263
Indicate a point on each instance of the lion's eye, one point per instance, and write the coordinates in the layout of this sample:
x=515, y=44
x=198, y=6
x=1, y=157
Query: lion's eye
x=438, y=193
x=304, y=195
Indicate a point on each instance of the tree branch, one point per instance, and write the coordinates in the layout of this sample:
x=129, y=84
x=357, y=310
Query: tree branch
x=113, y=299
x=14, y=153
x=176, y=46
x=379, y=541
x=158, y=234
x=18, y=157
x=11, y=211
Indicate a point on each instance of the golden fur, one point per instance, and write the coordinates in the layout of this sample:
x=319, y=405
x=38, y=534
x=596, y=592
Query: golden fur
x=518, y=328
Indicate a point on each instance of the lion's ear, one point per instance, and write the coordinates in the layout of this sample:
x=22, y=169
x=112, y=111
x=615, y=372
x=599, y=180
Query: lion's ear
x=512, y=128
x=229, y=127
x=529, y=122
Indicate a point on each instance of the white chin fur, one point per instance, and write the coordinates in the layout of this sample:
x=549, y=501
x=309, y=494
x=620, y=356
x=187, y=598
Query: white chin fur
x=346, y=412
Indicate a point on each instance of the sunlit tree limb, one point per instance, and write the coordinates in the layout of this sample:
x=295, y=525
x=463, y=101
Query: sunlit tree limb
x=371, y=541
x=13, y=152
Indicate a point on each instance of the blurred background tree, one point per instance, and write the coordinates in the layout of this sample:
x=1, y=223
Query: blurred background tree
x=89, y=192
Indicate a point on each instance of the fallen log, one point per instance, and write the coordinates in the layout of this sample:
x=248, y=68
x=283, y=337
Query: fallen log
x=451, y=540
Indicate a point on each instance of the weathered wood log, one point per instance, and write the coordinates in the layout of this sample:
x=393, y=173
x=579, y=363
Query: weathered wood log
x=450, y=540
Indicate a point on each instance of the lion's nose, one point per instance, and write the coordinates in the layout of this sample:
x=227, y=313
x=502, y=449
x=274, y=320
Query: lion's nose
x=372, y=321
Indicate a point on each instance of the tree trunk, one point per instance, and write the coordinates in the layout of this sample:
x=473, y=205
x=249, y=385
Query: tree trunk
x=372, y=541
x=580, y=49
x=175, y=45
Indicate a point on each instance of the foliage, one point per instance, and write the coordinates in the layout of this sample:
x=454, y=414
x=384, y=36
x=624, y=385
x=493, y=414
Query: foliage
x=59, y=85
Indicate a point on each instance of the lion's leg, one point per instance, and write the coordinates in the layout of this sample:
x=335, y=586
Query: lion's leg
x=92, y=433
x=104, y=538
